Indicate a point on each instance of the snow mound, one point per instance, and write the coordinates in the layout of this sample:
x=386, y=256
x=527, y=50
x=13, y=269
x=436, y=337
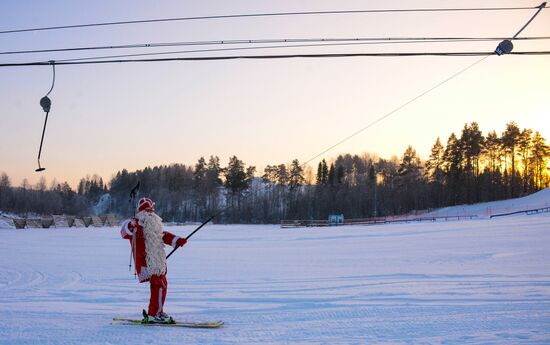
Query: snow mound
x=103, y=204
x=534, y=201
x=5, y=222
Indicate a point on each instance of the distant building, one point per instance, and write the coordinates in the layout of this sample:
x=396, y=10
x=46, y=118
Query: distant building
x=336, y=219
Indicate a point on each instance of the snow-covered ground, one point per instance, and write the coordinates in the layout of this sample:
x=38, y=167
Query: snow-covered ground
x=460, y=282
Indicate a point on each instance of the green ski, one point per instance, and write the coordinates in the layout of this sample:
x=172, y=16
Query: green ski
x=135, y=322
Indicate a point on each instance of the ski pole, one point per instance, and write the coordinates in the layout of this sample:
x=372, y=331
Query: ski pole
x=197, y=229
x=133, y=194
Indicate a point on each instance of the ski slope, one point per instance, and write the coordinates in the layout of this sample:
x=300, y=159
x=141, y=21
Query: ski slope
x=538, y=200
x=458, y=282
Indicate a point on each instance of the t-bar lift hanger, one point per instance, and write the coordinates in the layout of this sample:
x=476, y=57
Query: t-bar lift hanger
x=46, y=104
x=506, y=46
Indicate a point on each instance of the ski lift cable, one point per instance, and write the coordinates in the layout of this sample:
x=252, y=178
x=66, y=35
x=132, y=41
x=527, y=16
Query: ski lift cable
x=272, y=14
x=372, y=40
x=267, y=57
x=238, y=49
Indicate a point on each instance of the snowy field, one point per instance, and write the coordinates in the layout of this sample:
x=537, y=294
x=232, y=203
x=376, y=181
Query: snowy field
x=459, y=282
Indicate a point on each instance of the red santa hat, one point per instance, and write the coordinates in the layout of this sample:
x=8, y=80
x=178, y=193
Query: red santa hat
x=145, y=204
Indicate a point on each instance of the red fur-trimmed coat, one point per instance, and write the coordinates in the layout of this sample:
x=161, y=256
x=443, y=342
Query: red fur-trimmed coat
x=132, y=227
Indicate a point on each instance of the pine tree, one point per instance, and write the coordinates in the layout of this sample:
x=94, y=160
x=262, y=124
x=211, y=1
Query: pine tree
x=295, y=181
x=452, y=158
x=524, y=152
x=199, y=174
x=493, y=153
x=410, y=174
x=296, y=176
x=199, y=186
x=340, y=174
x=6, y=194
x=213, y=182
x=540, y=155
x=281, y=175
x=322, y=173
x=5, y=180
x=434, y=172
x=331, y=175
x=471, y=143
x=270, y=174
x=319, y=176
x=510, y=139
x=237, y=180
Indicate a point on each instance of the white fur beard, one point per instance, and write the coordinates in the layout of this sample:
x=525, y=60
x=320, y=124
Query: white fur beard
x=154, y=246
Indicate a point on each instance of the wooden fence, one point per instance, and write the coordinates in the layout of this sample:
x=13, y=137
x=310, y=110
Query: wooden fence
x=369, y=221
x=62, y=221
x=531, y=211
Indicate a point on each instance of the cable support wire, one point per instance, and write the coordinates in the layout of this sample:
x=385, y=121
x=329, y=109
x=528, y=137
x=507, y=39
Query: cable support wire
x=273, y=14
x=246, y=196
x=370, y=40
x=388, y=114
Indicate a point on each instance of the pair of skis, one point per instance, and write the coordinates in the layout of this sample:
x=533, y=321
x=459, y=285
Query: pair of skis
x=135, y=322
x=146, y=321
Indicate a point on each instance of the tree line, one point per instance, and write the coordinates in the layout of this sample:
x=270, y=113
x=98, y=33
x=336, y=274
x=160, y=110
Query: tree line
x=469, y=168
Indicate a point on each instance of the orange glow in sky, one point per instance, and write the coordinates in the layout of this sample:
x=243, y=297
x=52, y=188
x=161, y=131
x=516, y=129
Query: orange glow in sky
x=108, y=117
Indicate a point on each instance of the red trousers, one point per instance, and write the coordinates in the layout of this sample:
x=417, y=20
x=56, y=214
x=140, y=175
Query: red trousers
x=159, y=285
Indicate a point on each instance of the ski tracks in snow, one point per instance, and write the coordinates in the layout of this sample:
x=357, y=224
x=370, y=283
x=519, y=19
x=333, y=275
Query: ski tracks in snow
x=465, y=282
x=12, y=280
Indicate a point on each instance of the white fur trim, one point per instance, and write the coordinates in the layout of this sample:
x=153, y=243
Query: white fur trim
x=155, y=256
x=176, y=238
x=126, y=228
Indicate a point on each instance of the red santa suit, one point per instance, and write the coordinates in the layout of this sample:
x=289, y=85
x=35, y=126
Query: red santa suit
x=147, y=238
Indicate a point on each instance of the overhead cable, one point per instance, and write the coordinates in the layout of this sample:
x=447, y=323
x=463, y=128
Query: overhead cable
x=266, y=57
x=177, y=52
x=274, y=14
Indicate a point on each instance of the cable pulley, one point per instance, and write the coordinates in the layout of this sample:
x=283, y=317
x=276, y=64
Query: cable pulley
x=504, y=47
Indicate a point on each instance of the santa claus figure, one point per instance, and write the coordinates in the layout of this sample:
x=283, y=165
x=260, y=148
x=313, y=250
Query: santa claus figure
x=147, y=238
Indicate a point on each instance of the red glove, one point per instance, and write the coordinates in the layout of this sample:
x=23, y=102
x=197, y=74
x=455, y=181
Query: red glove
x=132, y=225
x=181, y=242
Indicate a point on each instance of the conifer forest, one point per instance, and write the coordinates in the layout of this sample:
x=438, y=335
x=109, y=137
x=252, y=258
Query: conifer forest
x=468, y=167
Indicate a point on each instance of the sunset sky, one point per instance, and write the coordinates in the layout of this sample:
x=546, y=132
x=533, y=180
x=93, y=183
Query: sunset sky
x=107, y=117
